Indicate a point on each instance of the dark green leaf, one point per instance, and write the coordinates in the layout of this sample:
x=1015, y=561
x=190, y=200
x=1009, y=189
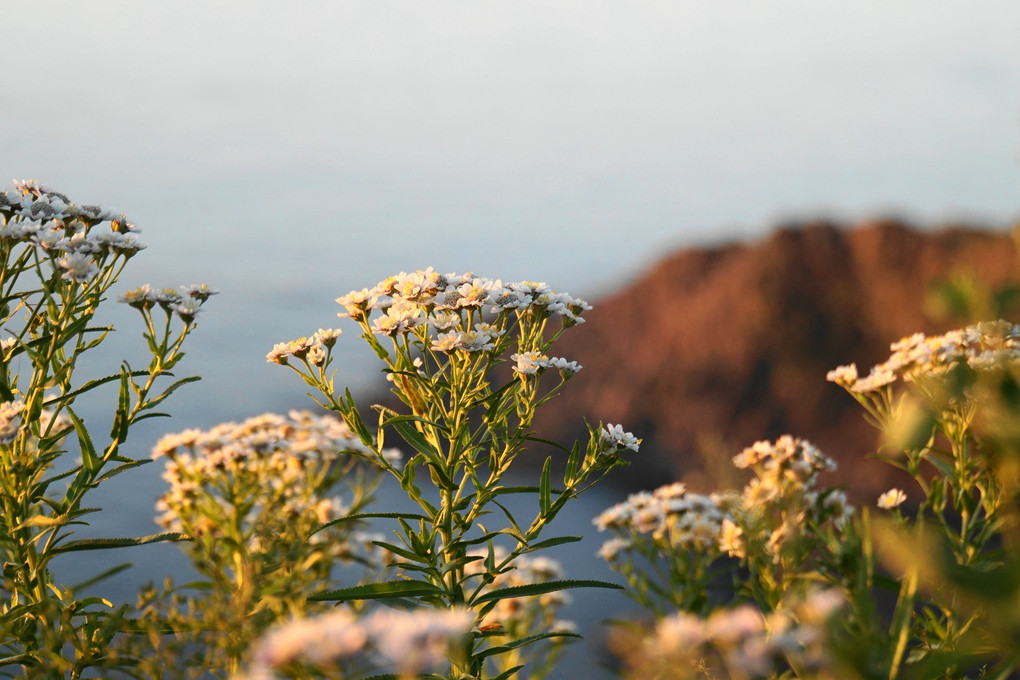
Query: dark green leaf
x=107, y=543
x=130, y=465
x=550, y=542
x=88, y=451
x=92, y=384
x=98, y=578
x=379, y=591
x=154, y=414
x=508, y=673
x=414, y=438
x=542, y=588
x=516, y=532
x=544, y=488
x=403, y=552
x=501, y=649
x=501, y=490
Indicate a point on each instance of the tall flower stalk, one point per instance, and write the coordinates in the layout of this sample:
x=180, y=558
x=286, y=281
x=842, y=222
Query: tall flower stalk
x=58, y=262
x=446, y=342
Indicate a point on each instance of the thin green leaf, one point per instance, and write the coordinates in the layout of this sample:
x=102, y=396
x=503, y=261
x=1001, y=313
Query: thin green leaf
x=548, y=442
x=502, y=490
x=88, y=451
x=173, y=388
x=450, y=566
x=99, y=578
x=89, y=601
x=544, y=488
x=379, y=591
x=509, y=646
x=154, y=414
x=516, y=532
x=414, y=438
x=550, y=542
x=508, y=673
x=353, y=419
x=107, y=543
x=90, y=385
x=129, y=465
x=43, y=521
x=381, y=515
x=119, y=428
x=530, y=589
x=490, y=535
x=573, y=463
x=403, y=552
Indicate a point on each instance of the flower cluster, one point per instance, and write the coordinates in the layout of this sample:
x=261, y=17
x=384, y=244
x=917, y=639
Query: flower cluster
x=185, y=301
x=65, y=232
x=981, y=346
x=313, y=350
x=670, y=514
x=782, y=499
x=407, y=301
x=738, y=642
x=531, y=362
x=270, y=465
x=409, y=641
x=773, y=525
x=786, y=461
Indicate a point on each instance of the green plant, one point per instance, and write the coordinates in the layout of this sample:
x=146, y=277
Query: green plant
x=944, y=552
x=59, y=261
x=444, y=342
x=251, y=497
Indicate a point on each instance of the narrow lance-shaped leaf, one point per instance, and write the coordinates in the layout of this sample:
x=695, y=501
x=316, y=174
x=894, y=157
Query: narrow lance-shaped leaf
x=544, y=488
x=88, y=451
x=550, y=542
x=108, y=543
x=542, y=588
x=414, y=438
x=379, y=591
x=515, y=644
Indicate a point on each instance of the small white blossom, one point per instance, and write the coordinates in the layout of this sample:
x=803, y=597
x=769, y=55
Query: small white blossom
x=78, y=267
x=893, y=498
x=187, y=309
x=614, y=434
x=528, y=363
x=612, y=548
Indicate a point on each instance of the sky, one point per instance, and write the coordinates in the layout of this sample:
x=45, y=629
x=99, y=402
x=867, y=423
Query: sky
x=287, y=153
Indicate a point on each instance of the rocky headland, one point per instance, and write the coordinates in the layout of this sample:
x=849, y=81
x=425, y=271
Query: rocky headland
x=714, y=348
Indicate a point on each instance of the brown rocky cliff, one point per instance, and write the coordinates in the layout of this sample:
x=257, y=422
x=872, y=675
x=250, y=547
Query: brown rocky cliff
x=716, y=348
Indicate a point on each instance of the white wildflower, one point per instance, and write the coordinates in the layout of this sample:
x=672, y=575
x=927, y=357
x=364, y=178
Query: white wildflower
x=893, y=498
x=78, y=267
x=612, y=548
x=528, y=363
x=614, y=435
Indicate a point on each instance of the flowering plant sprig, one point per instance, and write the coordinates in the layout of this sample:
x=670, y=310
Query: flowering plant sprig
x=944, y=552
x=259, y=502
x=674, y=546
x=443, y=340
x=339, y=644
x=738, y=642
x=944, y=404
x=58, y=261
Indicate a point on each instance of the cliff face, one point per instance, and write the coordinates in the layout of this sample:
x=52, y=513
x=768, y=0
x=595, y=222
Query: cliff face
x=713, y=349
